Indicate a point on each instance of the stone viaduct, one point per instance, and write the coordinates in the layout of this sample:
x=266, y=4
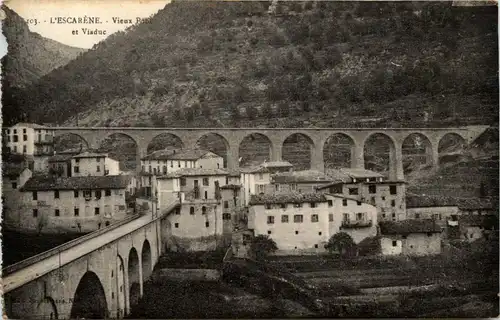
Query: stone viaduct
x=99, y=275
x=317, y=138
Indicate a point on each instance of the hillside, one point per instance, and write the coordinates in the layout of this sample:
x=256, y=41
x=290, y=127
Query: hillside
x=316, y=64
x=30, y=56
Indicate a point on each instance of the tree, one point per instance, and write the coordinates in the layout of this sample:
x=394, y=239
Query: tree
x=262, y=246
x=342, y=243
x=42, y=222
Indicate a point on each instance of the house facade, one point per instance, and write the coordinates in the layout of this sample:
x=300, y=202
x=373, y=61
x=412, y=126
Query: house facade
x=75, y=204
x=254, y=181
x=297, y=181
x=410, y=237
x=94, y=164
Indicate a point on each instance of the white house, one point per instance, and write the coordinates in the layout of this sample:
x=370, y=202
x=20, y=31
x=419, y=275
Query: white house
x=254, y=181
x=76, y=204
x=94, y=164
x=410, y=237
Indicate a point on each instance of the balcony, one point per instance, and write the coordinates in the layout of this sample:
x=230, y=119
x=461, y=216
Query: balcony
x=356, y=224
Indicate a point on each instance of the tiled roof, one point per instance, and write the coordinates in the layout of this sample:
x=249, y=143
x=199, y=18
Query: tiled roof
x=486, y=221
x=178, y=154
x=30, y=125
x=186, y=172
x=346, y=175
x=409, y=226
x=234, y=173
x=276, y=164
x=300, y=176
x=60, y=157
x=231, y=186
x=475, y=203
x=354, y=198
x=255, y=169
x=41, y=183
x=417, y=201
x=88, y=154
x=291, y=197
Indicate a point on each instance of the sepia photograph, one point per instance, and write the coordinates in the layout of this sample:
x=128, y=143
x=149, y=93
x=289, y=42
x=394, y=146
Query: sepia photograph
x=202, y=159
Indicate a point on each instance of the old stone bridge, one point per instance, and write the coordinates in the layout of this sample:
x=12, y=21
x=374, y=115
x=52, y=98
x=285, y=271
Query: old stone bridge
x=276, y=137
x=99, y=275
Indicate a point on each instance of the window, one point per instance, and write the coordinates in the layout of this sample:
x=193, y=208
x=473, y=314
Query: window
x=15, y=149
x=226, y=216
x=270, y=219
x=96, y=211
x=394, y=243
x=404, y=237
x=203, y=210
x=205, y=181
x=353, y=191
x=98, y=194
x=393, y=190
x=296, y=232
x=268, y=206
x=76, y=169
x=227, y=180
x=277, y=187
x=226, y=204
x=191, y=210
x=176, y=225
x=15, y=131
x=87, y=194
x=25, y=137
x=98, y=169
x=57, y=213
x=15, y=138
x=316, y=246
x=417, y=215
x=393, y=203
x=429, y=234
x=178, y=164
x=164, y=169
x=320, y=233
x=383, y=198
x=330, y=217
x=35, y=213
x=283, y=206
x=344, y=202
x=330, y=203
x=206, y=194
x=345, y=217
x=268, y=231
x=359, y=216
x=24, y=149
x=372, y=188
x=77, y=212
x=107, y=193
x=56, y=194
x=284, y=218
x=75, y=193
x=14, y=185
x=207, y=224
x=358, y=202
x=77, y=160
x=454, y=217
x=177, y=211
x=154, y=171
x=183, y=182
x=298, y=218
x=312, y=204
x=314, y=218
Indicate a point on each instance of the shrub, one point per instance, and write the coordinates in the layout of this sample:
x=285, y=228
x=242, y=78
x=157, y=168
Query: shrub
x=262, y=246
x=341, y=243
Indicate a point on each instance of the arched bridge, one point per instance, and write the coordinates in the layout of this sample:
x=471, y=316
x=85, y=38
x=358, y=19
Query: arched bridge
x=317, y=138
x=97, y=276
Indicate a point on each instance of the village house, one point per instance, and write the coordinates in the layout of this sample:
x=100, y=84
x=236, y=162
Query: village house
x=60, y=165
x=476, y=206
x=199, y=224
x=94, y=164
x=297, y=222
x=75, y=204
x=13, y=178
x=231, y=203
x=33, y=140
x=356, y=218
x=474, y=227
x=410, y=237
x=369, y=186
x=277, y=166
x=305, y=181
x=254, y=181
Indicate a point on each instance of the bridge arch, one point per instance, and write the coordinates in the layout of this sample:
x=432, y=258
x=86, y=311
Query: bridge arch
x=146, y=260
x=120, y=286
x=68, y=140
x=163, y=141
x=47, y=309
x=450, y=147
x=417, y=152
x=122, y=147
x=134, y=278
x=89, y=301
x=297, y=149
x=338, y=151
x=254, y=148
x=215, y=143
x=379, y=151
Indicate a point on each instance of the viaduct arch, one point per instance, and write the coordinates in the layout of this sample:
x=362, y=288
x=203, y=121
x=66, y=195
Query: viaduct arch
x=233, y=137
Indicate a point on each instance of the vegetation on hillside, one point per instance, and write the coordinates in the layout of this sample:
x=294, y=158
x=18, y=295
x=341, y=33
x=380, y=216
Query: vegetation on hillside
x=303, y=64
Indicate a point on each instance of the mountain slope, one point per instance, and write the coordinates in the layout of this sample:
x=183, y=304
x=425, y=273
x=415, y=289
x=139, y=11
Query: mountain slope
x=290, y=64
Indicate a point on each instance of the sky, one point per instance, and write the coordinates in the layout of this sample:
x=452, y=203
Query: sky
x=43, y=10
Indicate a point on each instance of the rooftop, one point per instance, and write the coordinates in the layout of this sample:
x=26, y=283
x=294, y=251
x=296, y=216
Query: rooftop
x=300, y=176
x=347, y=175
x=487, y=221
x=46, y=183
x=475, y=203
x=88, y=154
x=30, y=125
x=178, y=154
x=254, y=169
x=409, y=226
x=231, y=186
x=275, y=164
x=61, y=157
x=291, y=197
x=187, y=172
